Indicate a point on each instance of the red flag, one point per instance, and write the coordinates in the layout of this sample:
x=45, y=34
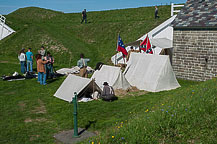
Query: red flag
x=121, y=47
x=143, y=44
x=149, y=49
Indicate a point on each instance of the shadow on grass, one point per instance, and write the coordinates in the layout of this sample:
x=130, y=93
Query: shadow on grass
x=52, y=80
x=87, y=126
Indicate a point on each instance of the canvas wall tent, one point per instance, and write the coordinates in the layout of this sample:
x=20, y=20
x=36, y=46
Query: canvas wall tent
x=162, y=33
x=152, y=73
x=112, y=75
x=83, y=87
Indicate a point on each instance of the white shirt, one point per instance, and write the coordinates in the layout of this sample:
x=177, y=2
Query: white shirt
x=22, y=57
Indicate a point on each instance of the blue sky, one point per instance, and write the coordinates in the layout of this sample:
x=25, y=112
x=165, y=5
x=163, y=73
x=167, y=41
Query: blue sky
x=70, y=6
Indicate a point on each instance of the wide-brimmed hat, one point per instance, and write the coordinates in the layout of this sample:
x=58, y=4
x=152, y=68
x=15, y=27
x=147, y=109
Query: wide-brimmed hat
x=105, y=83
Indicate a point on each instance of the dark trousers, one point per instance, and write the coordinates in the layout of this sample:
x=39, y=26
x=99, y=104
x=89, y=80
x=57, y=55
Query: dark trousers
x=84, y=18
x=49, y=70
x=23, y=66
x=110, y=97
x=156, y=15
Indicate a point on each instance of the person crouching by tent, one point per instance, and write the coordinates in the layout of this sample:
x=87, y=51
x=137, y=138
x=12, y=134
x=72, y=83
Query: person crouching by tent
x=82, y=64
x=108, y=93
x=49, y=65
x=41, y=70
x=22, y=59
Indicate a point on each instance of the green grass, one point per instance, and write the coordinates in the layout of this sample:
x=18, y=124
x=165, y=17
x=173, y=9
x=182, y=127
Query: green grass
x=185, y=115
x=29, y=113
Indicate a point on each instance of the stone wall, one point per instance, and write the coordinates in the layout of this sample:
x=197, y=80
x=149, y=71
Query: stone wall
x=195, y=54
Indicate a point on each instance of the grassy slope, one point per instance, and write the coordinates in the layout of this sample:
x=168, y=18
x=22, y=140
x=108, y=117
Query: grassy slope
x=57, y=30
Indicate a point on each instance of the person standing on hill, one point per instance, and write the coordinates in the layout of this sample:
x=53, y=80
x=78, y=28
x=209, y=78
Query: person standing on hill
x=84, y=16
x=82, y=64
x=156, y=13
x=22, y=59
x=29, y=56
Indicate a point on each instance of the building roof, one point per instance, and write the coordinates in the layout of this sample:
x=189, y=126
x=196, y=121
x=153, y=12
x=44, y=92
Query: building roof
x=199, y=14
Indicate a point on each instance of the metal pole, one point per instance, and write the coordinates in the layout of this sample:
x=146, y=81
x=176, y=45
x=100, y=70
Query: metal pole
x=75, y=115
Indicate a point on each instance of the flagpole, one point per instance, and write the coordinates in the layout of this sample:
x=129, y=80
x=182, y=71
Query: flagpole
x=116, y=50
x=123, y=58
x=147, y=43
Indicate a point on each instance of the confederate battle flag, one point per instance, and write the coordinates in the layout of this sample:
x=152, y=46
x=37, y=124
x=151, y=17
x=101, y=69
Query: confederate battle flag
x=121, y=47
x=146, y=46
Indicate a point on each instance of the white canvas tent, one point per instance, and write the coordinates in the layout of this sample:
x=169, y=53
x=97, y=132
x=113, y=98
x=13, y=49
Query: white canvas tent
x=82, y=86
x=112, y=75
x=4, y=29
x=152, y=73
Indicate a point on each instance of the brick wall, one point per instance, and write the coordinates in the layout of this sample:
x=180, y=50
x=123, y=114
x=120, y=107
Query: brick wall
x=195, y=54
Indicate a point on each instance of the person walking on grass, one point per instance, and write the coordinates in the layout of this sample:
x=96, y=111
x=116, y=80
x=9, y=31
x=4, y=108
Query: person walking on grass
x=156, y=13
x=29, y=56
x=41, y=70
x=84, y=16
x=22, y=59
x=82, y=64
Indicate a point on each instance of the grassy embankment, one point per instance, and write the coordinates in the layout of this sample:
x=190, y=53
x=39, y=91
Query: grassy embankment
x=30, y=114
x=66, y=38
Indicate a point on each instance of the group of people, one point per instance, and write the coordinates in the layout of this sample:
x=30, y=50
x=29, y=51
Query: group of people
x=44, y=62
x=26, y=60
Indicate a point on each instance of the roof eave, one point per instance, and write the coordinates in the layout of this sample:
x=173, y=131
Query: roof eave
x=195, y=28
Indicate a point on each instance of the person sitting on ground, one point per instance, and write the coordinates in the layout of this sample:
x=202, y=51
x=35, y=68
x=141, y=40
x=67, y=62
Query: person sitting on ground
x=29, y=56
x=22, y=59
x=41, y=70
x=108, y=93
x=49, y=65
x=82, y=64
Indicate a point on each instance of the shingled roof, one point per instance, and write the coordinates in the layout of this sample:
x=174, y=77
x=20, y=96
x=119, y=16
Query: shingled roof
x=197, y=14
